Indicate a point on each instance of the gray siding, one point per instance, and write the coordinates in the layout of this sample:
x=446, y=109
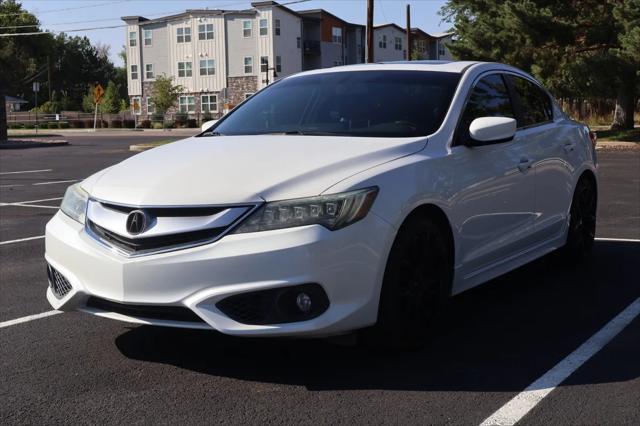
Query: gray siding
x=238, y=46
x=158, y=53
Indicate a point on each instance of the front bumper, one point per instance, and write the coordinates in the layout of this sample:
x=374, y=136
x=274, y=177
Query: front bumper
x=348, y=264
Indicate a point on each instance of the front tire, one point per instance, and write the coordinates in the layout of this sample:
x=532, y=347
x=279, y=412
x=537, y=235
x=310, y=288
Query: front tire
x=582, y=221
x=417, y=283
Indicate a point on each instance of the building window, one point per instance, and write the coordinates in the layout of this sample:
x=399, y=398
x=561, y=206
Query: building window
x=264, y=27
x=398, y=43
x=184, y=34
x=248, y=95
x=298, y=42
x=207, y=67
x=184, y=69
x=147, y=37
x=151, y=107
x=148, y=71
x=277, y=30
x=187, y=104
x=133, y=38
x=248, y=65
x=382, y=44
x=441, y=51
x=135, y=105
x=134, y=72
x=336, y=35
x=264, y=63
x=246, y=28
x=209, y=103
x=278, y=63
x=205, y=32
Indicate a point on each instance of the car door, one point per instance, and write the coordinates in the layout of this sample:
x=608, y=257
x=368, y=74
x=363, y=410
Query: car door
x=493, y=209
x=552, y=153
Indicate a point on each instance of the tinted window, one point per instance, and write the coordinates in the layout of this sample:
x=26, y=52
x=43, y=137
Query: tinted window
x=535, y=105
x=489, y=98
x=361, y=103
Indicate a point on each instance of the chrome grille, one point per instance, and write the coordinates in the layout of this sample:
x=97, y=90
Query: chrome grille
x=167, y=228
x=58, y=283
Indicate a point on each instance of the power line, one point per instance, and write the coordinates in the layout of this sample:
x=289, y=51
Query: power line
x=64, y=9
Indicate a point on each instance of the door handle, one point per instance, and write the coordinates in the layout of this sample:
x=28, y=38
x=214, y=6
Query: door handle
x=524, y=164
x=569, y=147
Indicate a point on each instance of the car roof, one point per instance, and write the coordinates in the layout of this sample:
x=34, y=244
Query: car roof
x=441, y=66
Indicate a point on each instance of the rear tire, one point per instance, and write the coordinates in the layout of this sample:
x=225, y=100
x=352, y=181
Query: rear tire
x=582, y=221
x=417, y=283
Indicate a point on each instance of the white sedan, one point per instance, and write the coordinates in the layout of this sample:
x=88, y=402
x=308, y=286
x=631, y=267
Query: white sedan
x=357, y=197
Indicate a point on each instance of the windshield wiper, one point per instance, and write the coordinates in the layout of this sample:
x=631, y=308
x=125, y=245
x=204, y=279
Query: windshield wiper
x=212, y=134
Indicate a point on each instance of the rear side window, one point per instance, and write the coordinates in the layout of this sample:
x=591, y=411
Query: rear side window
x=489, y=98
x=535, y=104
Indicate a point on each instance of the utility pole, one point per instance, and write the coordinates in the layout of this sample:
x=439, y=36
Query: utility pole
x=49, y=76
x=408, y=32
x=370, y=31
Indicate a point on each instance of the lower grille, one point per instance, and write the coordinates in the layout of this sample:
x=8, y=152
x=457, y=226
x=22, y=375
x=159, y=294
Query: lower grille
x=58, y=283
x=153, y=312
x=149, y=244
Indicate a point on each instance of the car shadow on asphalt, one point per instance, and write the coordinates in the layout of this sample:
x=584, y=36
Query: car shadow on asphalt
x=498, y=337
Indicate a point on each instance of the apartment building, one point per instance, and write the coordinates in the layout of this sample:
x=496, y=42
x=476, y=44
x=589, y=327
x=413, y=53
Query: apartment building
x=329, y=41
x=431, y=46
x=219, y=57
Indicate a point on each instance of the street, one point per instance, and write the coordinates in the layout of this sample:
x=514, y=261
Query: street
x=492, y=343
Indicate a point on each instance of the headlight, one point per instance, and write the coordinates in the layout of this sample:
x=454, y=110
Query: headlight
x=74, y=203
x=331, y=211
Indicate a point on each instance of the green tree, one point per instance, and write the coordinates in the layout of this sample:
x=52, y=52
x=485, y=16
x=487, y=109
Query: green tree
x=111, y=100
x=165, y=93
x=21, y=57
x=579, y=49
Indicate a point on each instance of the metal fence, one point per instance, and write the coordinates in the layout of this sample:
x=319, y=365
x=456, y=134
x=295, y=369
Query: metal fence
x=126, y=119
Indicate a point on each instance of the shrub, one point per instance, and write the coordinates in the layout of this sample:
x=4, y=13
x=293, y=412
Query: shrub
x=157, y=125
x=157, y=118
x=115, y=124
x=15, y=126
x=191, y=123
x=206, y=117
x=145, y=124
x=52, y=125
x=64, y=124
x=180, y=118
x=169, y=125
x=29, y=126
x=77, y=124
x=128, y=124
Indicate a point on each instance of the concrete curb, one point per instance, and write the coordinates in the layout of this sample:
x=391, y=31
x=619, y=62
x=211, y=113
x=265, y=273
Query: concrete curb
x=142, y=147
x=32, y=143
x=617, y=145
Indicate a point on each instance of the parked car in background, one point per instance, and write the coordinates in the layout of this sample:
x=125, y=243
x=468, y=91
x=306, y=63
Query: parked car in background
x=333, y=200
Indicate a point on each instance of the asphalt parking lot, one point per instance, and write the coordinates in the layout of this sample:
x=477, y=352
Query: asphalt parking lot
x=497, y=344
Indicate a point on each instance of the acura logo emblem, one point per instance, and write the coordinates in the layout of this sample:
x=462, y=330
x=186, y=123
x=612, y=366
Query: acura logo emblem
x=136, y=222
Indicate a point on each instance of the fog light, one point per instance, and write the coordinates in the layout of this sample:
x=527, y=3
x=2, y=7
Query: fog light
x=304, y=302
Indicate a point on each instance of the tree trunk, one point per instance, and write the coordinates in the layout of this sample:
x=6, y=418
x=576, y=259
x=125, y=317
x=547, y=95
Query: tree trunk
x=625, y=103
x=3, y=117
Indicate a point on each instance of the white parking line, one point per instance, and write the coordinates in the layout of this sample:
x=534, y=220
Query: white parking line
x=624, y=240
x=53, y=182
x=21, y=240
x=514, y=410
x=26, y=171
x=11, y=186
x=18, y=203
x=28, y=318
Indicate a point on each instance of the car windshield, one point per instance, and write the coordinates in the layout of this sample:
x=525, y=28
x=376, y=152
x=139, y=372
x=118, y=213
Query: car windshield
x=355, y=103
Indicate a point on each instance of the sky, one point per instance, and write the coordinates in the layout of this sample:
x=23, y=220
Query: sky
x=65, y=15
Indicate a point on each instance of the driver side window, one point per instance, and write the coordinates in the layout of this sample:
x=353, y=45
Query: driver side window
x=489, y=98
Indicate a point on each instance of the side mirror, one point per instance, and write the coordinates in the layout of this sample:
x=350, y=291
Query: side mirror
x=208, y=124
x=487, y=130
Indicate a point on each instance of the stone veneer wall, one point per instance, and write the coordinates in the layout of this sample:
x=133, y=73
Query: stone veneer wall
x=238, y=86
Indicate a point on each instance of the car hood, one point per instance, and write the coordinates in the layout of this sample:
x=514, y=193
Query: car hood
x=242, y=169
